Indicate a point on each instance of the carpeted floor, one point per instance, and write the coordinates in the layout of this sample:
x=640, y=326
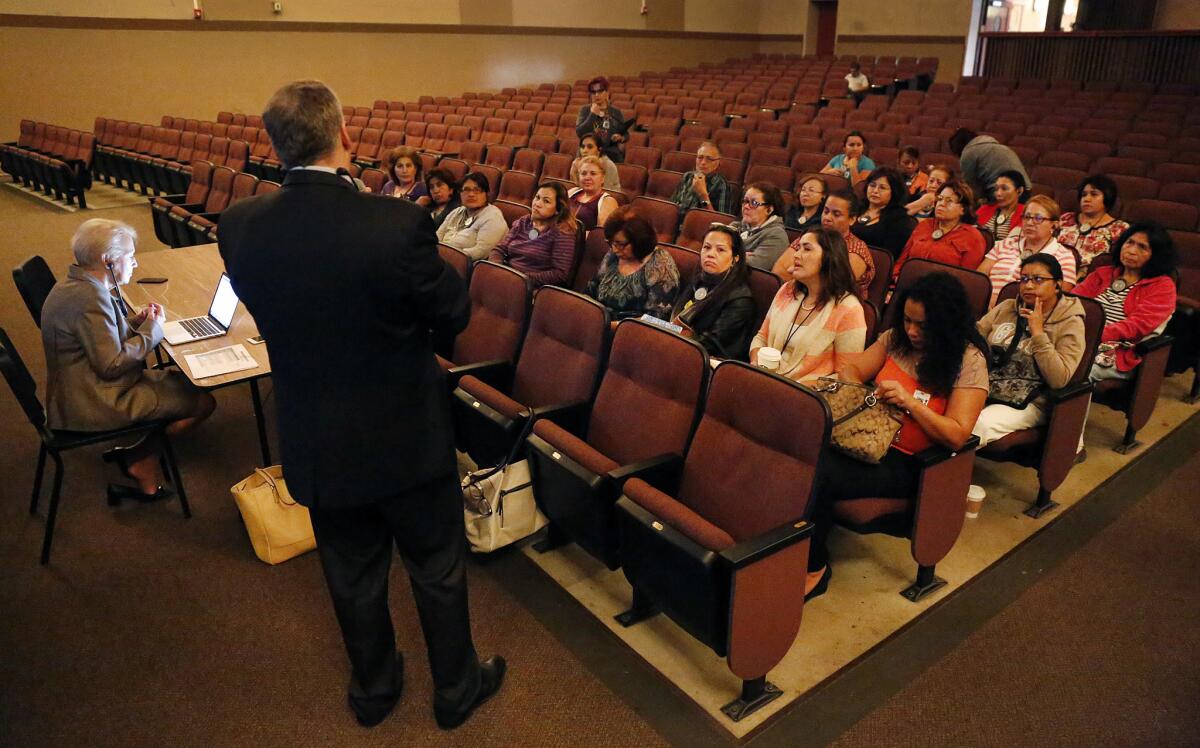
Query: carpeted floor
x=148, y=629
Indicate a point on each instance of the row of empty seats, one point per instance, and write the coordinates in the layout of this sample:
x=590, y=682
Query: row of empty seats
x=56, y=160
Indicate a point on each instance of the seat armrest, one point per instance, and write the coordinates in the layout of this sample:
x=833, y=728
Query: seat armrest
x=192, y=207
x=1070, y=392
x=371, y=162
x=497, y=373
x=938, y=454
x=173, y=199
x=1152, y=343
x=757, y=548
x=568, y=415
x=660, y=471
x=214, y=217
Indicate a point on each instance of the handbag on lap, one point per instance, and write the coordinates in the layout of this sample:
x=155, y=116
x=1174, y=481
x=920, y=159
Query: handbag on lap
x=863, y=427
x=279, y=528
x=1014, y=379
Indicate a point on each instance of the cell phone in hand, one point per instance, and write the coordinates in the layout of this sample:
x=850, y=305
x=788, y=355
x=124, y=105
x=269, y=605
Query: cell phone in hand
x=152, y=279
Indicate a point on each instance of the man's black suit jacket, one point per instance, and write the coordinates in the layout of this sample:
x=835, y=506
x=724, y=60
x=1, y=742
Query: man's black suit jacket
x=346, y=288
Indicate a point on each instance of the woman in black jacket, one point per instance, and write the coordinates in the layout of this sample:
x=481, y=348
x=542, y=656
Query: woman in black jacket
x=885, y=223
x=716, y=307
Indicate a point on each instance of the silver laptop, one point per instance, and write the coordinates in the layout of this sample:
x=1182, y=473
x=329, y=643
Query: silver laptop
x=213, y=325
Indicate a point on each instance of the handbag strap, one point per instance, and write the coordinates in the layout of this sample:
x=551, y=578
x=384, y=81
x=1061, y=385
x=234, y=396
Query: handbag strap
x=274, y=484
x=511, y=457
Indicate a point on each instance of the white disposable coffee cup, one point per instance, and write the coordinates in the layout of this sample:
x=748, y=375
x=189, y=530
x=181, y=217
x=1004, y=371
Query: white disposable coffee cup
x=975, y=497
x=769, y=358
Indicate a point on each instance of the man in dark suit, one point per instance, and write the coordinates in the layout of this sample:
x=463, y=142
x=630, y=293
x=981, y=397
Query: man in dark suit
x=347, y=288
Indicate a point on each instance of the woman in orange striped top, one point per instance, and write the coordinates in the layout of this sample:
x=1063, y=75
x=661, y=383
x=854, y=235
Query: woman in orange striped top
x=816, y=318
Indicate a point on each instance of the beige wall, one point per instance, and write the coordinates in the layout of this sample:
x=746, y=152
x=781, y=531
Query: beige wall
x=913, y=18
x=1177, y=14
x=143, y=74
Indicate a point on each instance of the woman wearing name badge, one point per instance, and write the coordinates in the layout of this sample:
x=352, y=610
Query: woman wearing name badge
x=589, y=145
x=805, y=215
x=949, y=236
x=443, y=195
x=931, y=364
x=816, y=319
x=590, y=204
x=885, y=223
x=763, y=236
x=923, y=204
x=1003, y=215
x=476, y=225
x=1003, y=263
x=715, y=306
x=853, y=163
x=542, y=244
x=403, y=167
x=1137, y=292
x=96, y=348
x=635, y=277
x=1092, y=231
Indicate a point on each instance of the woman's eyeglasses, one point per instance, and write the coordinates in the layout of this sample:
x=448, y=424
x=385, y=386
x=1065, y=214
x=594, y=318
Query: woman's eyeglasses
x=1036, y=280
x=752, y=202
x=1036, y=220
x=616, y=244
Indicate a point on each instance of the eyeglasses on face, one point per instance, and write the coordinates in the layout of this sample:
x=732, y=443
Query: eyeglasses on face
x=752, y=202
x=618, y=244
x=1036, y=220
x=701, y=157
x=809, y=190
x=1036, y=280
x=470, y=191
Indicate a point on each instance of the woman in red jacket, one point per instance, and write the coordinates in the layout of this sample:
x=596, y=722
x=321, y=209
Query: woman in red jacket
x=1137, y=292
x=949, y=235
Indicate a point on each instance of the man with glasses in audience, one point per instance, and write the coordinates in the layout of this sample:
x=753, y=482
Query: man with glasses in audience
x=349, y=290
x=703, y=187
x=603, y=120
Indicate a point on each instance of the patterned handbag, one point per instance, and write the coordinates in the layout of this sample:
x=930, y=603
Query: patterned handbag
x=863, y=427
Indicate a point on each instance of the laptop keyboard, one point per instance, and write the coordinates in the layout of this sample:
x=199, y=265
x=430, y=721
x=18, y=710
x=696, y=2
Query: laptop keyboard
x=200, y=327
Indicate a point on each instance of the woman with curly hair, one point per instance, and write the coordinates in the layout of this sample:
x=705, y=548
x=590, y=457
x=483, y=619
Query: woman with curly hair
x=636, y=276
x=932, y=365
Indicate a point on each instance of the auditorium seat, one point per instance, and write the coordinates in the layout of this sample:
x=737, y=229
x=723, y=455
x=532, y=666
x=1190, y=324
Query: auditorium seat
x=763, y=286
x=877, y=290
x=204, y=225
x=220, y=187
x=663, y=215
x=662, y=183
x=517, y=187
x=633, y=179
x=595, y=247
x=780, y=176
x=528, y=160
x=556, y=373
x=472, y=151
x=653, y=386
x=500, y=300
x=1051, y=448
x=696, y=224
x=722, y=546
x=499, y=156
x=512, y=211
x=1065, y=160
x=197, y=193
x=1171, y=215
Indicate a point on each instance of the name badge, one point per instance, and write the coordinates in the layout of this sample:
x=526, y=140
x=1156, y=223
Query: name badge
x=921, y=397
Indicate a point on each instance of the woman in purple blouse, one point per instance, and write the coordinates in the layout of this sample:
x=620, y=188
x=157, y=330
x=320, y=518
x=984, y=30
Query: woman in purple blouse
x=542, y=244
x=404, y=171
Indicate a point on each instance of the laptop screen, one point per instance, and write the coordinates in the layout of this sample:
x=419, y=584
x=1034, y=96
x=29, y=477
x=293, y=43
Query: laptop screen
x=224, y=302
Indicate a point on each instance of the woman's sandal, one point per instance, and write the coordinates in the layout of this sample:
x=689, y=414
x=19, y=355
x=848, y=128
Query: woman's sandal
x=821, y=586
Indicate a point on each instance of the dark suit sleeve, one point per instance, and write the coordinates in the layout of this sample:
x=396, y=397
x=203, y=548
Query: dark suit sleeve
x=430, y=290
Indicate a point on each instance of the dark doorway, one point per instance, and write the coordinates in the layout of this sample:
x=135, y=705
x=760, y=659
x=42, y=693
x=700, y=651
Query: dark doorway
x=826, y=11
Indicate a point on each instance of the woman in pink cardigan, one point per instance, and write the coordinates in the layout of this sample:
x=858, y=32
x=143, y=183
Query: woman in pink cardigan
x=1137, y=292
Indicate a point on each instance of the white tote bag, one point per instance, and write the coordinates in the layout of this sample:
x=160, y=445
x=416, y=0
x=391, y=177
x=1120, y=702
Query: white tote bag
x=498, y=506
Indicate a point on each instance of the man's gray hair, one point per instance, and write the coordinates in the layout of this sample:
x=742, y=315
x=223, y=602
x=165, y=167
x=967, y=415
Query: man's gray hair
x=304, y=120
x=99, y=241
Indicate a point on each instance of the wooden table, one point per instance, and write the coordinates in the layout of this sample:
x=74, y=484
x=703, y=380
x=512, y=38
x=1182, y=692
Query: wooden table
x=192, y=274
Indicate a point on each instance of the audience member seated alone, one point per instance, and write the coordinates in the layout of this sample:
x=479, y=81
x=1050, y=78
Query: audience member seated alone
x=635, y=277
x=949, y=236
x=542, y=244
x=816, y=318
x=95, y=353
x=704, y=187
x=810, y=201
x=1003, y=214
x=443, y=194
x=476, y=225
x=983, y=159
x=1037, y=341
x=1137, y=292
x=1004, y=263
x=763, y=236
x=932, y=365
x=1091, y=231
x=922, y=206
x=603, y=119
x=909, y=163
x=840, y=211
x=857, y=84
x=885, y=223
x=589, y=145
x=590, y=204
x=852, y=163
x=403, y=167
x=715, y=307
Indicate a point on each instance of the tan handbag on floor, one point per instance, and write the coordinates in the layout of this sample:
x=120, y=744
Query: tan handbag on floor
x=863, y=427
x=279, y=528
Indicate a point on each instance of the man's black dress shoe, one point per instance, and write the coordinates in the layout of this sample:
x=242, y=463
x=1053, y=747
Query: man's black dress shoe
x=491, y=678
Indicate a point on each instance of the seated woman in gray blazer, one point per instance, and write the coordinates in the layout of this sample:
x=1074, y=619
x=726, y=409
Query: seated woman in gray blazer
x=95, y=346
